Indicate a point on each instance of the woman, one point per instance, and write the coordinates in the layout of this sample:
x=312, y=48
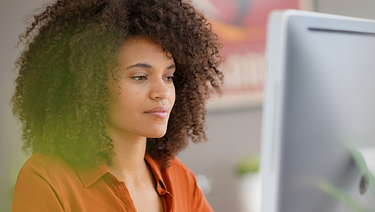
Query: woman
x=108, y=92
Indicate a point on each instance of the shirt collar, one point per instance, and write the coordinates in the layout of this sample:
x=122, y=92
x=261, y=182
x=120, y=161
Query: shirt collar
x=155, y=169
x=90, y=175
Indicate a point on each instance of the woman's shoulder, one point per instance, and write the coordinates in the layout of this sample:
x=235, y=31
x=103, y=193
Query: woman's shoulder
x=39, y=160
x=46, y=166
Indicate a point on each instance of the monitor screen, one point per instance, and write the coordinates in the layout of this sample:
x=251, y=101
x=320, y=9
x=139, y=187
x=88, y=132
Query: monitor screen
x=319, y=96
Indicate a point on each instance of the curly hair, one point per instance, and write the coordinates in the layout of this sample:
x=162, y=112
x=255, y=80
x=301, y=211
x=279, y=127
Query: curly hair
x=61, y=96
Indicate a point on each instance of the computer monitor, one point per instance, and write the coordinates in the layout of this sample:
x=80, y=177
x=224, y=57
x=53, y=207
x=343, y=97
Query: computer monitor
x=320, y=90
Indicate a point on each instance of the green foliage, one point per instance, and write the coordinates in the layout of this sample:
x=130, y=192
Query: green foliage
x=247, y=164
x=339, y=194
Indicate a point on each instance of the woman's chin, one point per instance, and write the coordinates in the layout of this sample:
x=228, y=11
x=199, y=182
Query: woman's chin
x=157, y=134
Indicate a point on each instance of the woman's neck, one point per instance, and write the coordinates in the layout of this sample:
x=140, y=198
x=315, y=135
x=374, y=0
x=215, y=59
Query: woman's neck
x=128, y=163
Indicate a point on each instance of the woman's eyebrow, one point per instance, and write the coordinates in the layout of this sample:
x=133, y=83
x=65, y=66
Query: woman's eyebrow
x=139, y=65
x=144, y=65
x=173, y=66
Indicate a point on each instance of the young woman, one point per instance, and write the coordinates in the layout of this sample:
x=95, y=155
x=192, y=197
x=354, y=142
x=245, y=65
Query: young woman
x=108, y=92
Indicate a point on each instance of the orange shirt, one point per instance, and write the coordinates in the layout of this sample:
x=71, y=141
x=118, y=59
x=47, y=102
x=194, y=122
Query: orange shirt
x=48, y=183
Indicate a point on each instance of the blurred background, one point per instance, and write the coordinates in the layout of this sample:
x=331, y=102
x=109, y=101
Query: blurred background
x=233, y=120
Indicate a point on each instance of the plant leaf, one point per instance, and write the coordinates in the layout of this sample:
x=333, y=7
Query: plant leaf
x=341, y=196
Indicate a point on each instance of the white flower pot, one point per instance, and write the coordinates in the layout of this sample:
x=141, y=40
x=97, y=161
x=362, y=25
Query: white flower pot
x=250, y=192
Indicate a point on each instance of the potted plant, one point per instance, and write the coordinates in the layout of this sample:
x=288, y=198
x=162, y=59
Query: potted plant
x=247, y=170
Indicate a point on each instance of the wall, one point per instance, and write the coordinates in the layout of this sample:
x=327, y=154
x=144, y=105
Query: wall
x=355, y=8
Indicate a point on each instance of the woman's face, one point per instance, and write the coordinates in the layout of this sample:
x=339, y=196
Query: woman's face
x=143, y=104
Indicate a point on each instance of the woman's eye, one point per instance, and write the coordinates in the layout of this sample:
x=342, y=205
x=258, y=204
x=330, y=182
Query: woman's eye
x=139, y=78
x=169, y=79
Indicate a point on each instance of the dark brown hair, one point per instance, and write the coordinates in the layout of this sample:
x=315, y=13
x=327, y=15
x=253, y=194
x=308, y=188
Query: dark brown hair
x=61, y=95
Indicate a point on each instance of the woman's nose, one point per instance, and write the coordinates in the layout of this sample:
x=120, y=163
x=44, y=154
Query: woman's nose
x=160, y=89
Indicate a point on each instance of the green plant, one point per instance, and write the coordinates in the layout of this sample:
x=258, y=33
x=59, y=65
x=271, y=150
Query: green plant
x=339, y=194
x=247, y=164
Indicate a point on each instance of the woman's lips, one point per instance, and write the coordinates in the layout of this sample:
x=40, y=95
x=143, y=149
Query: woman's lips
x=159, y=112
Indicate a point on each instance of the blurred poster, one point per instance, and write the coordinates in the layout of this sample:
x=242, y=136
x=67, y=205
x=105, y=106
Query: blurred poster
x=241, y=28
